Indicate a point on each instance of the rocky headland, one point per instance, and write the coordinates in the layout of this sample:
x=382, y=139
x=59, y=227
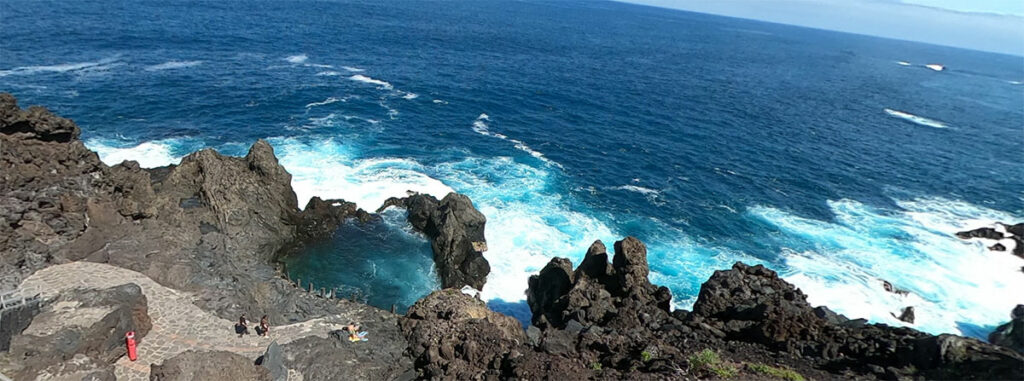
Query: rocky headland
x=193, y=246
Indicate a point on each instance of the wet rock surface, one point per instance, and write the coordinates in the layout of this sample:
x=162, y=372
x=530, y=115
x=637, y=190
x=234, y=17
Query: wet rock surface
x=1010, y=334
x=1008, y=237
x=456, y=231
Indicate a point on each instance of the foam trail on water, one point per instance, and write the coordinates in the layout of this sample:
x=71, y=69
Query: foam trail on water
x=59, y=68
x=365, y=79
x=173, y=65
x=480, y=126
x=323, y=102
x=329, y=169
x=151, y=154
x=903, y=63
x=328, y=74
x=297, y=59
x=951, y=281
x=915, y=119
x=353, y=69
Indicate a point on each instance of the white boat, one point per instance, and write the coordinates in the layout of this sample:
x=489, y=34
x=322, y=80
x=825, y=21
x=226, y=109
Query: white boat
x=935, y=67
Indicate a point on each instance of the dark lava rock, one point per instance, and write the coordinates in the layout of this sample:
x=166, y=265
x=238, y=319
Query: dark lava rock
x=219, y=365
x=36, y=121
x=82, y=322
x=321, y=218
x=383, y=357
x=752, y=304
x=597, y=293
x=456, y=231
x=1000, y=232
x=452, y=335
x=1011, y=334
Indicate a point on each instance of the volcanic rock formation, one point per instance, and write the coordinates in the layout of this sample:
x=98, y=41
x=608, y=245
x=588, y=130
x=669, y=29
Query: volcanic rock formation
x=456, y=232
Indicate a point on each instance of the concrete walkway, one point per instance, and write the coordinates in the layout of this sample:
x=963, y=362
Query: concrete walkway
x=178, y=324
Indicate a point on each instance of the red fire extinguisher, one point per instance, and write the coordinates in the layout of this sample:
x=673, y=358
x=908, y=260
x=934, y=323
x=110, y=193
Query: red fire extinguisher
x=129, y=339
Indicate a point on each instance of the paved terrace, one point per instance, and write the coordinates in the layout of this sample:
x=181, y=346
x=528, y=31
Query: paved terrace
x=178, y=324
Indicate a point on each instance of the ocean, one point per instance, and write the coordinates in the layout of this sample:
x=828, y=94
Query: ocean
x=839, y=160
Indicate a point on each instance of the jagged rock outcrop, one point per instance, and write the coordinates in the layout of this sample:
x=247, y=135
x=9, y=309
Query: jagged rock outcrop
x=91, y=323
x=193, y=365
x=36, y=121
x=455, y=336
x=1011, y=334
x=211, y=224
x=1008, y=237
x=456, y=231
x=321, y=218
x=752, y=304
x=610, y=316
x=616, y=295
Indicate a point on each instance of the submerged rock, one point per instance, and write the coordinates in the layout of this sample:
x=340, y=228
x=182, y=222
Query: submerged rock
x=456, y=231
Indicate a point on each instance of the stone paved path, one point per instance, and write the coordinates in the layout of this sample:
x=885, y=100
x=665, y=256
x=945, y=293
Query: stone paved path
x=178, y=324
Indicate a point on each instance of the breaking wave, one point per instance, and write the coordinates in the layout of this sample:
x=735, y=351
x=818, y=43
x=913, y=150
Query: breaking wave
x=952, y=282
x=365, y=79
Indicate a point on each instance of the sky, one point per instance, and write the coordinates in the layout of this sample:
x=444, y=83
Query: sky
x=987, y=25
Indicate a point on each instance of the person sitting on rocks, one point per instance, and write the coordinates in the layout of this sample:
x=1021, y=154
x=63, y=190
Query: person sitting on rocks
x=353, y=332
x=264, y=328
x=242, y=328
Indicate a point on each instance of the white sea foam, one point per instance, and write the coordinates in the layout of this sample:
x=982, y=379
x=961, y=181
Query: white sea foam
x=329, y=169
x=638, y=189
x=480, y=126
x=322, y=66
x=152, y=154
x=173, y=65
x=916, y=119
x=328, y=74
x=903, y=63
x=951, y=281
x=60, y=68
x=323, y=102
x=392, y=113
x=527, y=223
x=353, y=69
x=365, y=79
x=297, y=59
x=440, y=101
x=409, y=96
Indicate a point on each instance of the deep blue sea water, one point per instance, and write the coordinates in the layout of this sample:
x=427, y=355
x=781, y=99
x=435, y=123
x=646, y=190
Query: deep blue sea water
x=837, y=159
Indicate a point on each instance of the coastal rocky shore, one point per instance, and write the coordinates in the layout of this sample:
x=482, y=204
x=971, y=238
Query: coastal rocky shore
x=210, y=228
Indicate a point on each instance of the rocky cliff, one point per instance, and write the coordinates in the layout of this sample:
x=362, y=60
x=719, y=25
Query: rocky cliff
x=607, y=321
x=212, y=224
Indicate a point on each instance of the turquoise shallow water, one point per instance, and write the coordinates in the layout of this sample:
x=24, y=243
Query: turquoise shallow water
x=839, y=160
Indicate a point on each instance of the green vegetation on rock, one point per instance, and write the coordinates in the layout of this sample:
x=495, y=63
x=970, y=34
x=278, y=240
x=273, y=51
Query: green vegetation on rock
x=708, y=361
x=780, y=373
